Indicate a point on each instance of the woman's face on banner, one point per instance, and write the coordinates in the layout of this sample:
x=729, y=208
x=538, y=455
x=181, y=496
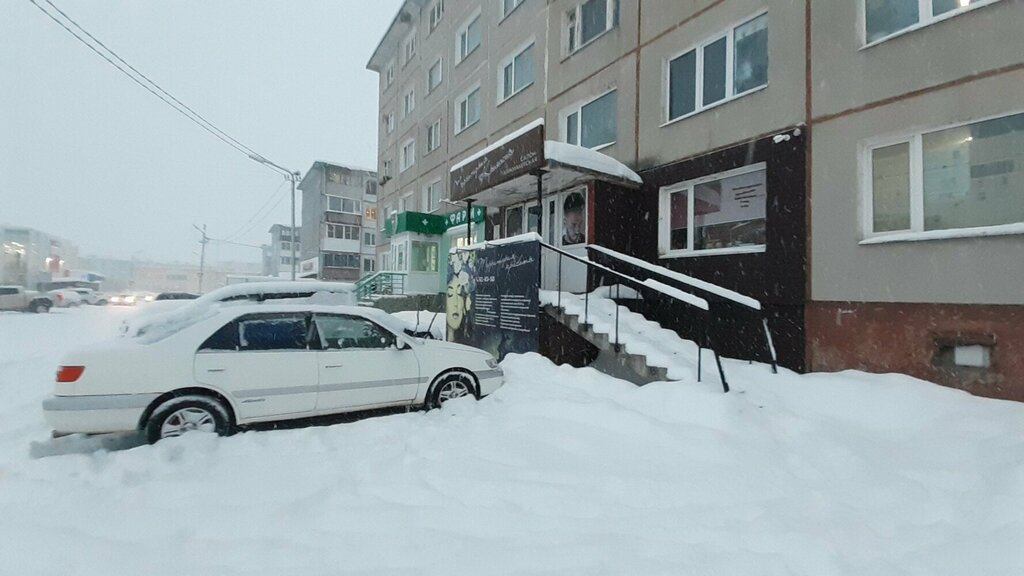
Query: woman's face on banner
x=455, y=305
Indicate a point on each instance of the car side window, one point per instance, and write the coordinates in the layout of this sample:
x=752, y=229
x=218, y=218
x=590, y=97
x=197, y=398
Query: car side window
x=224, y=339
x=7, y=291
x=273, y=332
x=351, y=332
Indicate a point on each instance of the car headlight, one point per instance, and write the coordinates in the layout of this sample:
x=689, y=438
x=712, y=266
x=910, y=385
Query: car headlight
x=492, y=363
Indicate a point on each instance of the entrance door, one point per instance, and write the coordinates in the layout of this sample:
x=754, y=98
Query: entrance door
x=565, y=227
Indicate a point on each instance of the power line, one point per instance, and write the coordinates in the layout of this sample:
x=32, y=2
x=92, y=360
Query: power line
x=244, y=228
x=159, y=92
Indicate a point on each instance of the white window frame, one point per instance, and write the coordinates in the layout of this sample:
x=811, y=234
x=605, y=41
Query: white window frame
x=463, y=30
x=409, y=102
x=916, y=232
x=358, y=205
x=506, y=14
x=389, y=122
x=387, y=169
x=436, y=14
x=577, y=10
x=510, y=61
x=730, y=64
x=923, y=7
x=435, y=129
x=439, y=64
x=665, y=215
x=426, y=196
x=577, y=108
x=405, y=202
x=407, y=155
x=459, y=127
x=389, y=73
x=353, y=231
x=409, y=48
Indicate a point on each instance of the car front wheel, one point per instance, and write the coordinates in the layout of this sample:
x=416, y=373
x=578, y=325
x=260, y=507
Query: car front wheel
x=184, y=414
x=40, y=308
x=450, y=386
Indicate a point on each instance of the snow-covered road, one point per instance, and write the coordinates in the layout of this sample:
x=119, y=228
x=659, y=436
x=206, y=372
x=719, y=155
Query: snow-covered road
x=563, y=471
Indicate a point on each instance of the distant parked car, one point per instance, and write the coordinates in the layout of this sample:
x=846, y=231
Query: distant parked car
x=65, y=298
x=250, y=363
x=91, y=297
x=16, y=298
x=176, y=296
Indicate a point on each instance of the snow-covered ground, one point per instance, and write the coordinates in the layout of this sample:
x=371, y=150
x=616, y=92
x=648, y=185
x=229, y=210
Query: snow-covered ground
x=562, y=471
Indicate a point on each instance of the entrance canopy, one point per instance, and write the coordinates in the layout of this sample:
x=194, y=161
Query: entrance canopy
x=506, y=172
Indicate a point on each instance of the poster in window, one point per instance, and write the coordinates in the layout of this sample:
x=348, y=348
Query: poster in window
x=574, y=218
x=492, y=298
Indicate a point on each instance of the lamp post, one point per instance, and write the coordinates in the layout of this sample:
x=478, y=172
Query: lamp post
x=293, y=177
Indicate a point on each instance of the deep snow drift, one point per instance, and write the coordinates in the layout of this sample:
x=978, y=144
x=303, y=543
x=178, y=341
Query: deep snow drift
x=562, y=471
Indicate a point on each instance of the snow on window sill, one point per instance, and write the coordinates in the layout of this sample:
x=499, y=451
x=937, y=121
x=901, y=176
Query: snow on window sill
x=466, y=127
x=713, y=252
x=926, y=23
x=513, y=95
x=978, y=232
x=715, y=105
x=583, y=46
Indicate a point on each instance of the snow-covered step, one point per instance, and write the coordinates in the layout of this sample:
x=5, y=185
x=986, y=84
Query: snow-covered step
x=660, y=348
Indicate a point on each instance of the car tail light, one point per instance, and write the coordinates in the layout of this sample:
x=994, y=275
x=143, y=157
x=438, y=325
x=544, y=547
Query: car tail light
x=69, y=373
x=60, y=297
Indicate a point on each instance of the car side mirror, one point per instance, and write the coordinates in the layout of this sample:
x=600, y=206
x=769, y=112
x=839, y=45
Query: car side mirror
x=402, y=345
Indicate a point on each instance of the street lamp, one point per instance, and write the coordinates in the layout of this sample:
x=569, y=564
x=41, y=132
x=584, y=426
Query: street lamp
x=293, y=177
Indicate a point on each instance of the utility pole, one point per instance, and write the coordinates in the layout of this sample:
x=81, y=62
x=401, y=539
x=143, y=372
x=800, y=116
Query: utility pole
x=293, y=177
x=202, y=254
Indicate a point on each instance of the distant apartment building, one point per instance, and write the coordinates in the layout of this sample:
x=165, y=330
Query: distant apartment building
x=29, y=257
x=339, y=222
x=277, y=256
x=855, y=166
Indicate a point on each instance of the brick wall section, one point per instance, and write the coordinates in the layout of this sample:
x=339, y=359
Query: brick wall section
x=915, y=339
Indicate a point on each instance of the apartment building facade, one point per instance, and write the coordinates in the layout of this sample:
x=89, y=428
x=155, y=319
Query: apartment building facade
x=725, y=109
x=277, y=255
x=29, y=257
x=339, y=222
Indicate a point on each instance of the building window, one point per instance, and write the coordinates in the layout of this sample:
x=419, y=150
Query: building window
x=432, y=196
x=407, y=156
x=886, y=18
x=389, y=122
x=405, y=203
x=341, y=260
x=423, y=256
x=434, y=76
x=436, y=12
x=345, y=205
x=593, y=124
x=368, y=264
x=467, y=110
x=434, y=136
x=409, y=48
x=507, y=6
x=371, y=187
x=342, y=232
x=967, y=176
x=727, y=67
x=468, y=38
x=286, y=245
x=369, y=239
x=722, y=211
x=409, y=102
x=586, y=21
x=516, y=73
x=286, y=261
x=387, y=169
x=389, y=74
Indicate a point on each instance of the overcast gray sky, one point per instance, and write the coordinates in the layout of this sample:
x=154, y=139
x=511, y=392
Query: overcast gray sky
x=88, y=155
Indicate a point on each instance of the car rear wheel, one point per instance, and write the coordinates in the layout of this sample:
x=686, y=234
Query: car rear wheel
x=187, y=414
x=450, y=386
x=40, y=308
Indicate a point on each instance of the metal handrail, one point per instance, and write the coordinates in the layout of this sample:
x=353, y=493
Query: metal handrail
x=383, y=282
x=637, y=285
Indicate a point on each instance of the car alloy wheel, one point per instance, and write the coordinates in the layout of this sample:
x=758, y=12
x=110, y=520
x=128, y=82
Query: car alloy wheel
x=451, y=386
x=187, y=420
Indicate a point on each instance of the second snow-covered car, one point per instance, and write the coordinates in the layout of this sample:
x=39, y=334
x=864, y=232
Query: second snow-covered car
x=253, y=363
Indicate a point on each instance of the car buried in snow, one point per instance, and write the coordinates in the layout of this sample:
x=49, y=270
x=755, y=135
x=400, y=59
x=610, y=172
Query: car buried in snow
x=234, y=366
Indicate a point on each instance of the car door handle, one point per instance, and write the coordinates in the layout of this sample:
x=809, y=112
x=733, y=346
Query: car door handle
x=333, y=366
x=217, y=370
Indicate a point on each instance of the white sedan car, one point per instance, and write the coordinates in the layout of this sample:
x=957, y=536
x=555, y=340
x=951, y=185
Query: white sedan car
x=249, y=363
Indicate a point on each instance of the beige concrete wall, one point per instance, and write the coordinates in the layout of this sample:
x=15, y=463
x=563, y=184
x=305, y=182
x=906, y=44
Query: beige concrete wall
x=968, y=270
x=779, y=105
x=985, y=38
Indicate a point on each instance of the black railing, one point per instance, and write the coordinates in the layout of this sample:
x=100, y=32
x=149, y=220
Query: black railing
x=597, y=272
x=729, y=312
